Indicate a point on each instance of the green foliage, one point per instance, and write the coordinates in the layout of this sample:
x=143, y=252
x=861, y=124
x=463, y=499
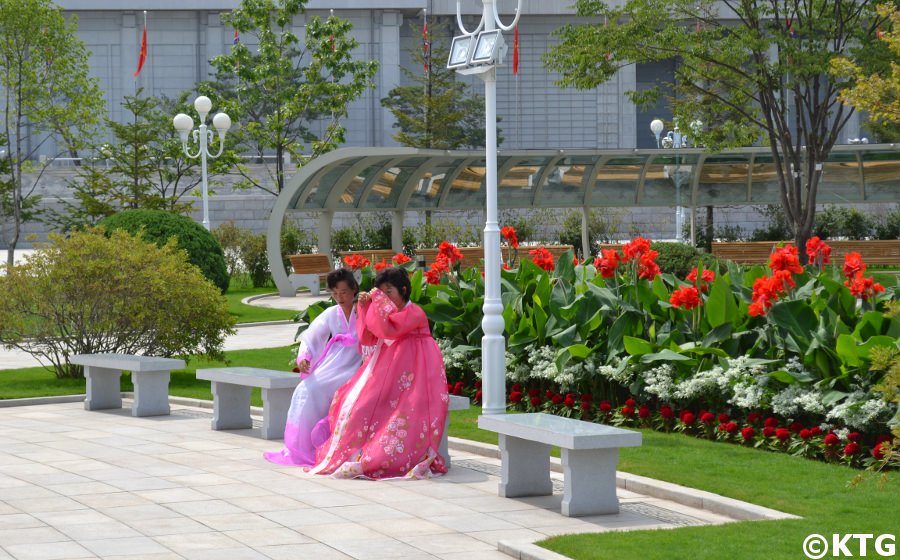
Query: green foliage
x=431, y=233
x=49, y=95
x=887, y=226
x=435, y=111
x=246, y=252
x=734, y=65
x=842, y=222
x=159, y=226
x=675, y=258
x=229, y=237
x=279, y=89
x=370, y=231
x=777, y=228
x=603, y=227
x=96, y=293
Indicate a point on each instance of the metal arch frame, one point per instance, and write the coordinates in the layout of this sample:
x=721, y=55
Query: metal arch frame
x=370, y=182
x=298, y=189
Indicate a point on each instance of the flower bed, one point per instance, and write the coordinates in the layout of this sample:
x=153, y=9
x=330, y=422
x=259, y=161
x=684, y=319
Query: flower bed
x=621, y=341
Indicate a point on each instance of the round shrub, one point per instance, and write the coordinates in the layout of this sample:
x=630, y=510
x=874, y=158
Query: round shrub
x=158, y=226
x=98, y=292
x=675, y=258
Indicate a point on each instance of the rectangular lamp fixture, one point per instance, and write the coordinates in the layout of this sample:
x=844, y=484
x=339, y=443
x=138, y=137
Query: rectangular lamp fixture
x=460, y=49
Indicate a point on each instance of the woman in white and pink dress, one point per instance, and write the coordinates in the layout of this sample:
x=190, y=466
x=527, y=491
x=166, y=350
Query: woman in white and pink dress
x=329, y=355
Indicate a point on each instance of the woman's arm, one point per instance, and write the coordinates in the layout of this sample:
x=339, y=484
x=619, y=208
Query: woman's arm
x=314, y=338
x=385, y=321
x=365, y=336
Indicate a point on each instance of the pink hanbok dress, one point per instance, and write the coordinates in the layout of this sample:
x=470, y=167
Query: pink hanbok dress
x=331, y=346
x=387, y=421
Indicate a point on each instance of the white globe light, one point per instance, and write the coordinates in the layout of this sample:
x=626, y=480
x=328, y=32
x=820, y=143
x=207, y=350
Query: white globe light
x=656, y=126
x=183, y=123
x=203, y=105
x=222, y=122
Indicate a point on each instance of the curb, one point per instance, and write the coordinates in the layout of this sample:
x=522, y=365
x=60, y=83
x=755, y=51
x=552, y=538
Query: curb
x=523, y=550
x=264, y=324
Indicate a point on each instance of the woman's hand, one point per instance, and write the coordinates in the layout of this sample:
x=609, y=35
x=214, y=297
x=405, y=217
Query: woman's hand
x=303, y=366
x=364, y=298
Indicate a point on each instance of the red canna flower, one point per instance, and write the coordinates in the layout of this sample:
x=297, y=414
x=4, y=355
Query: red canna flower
x=685, y=297
x=534, y=392
x=688, y=418
x=666, y=412
x=605, y=406
x=535, y=401
x=509, y=233
x=647, y=267
x=864, y=287
x=558, y=399
x=400, y=258
x=587, y=397
x=754, y=417
x=805, y=434
x=585, y=405
x=731, y=428
x=569, y=402
x=644, y=411
x=878, y=450
x=769, y=431
x=783, y=434
x=477, y=396
x=815, y=430
x=628, y=411
x=450, y=252
x=707, y=417
x=356, y=262
x=853, y=264
x=636, y=248
x=786, y=258
x=515, y=397
x=795, y=427
x=433, y=276
x=818, y=251
x=379, y=266
x=771, y=422
x=543, y=258
x=854, y=437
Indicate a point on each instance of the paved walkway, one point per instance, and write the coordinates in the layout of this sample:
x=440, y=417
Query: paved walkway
x=80, y=484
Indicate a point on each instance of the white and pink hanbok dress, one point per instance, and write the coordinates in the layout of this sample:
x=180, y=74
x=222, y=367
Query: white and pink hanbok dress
x=331, y=346
x=387, y=421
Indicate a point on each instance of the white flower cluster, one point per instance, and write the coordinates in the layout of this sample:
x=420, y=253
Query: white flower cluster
x=458, y=361
x=618, y=372
x=795, y=399
x=861, y=411
x=659, y=381
x=747, y=395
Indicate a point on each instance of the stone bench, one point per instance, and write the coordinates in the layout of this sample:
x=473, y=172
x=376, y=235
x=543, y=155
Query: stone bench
x=149, y=374
x=456, y=403
x=231, y=388
x=309, y=270
x=590, y=453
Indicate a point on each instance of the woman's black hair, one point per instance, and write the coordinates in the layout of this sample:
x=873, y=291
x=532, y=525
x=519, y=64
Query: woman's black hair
x=396, y=277
x=342, y=275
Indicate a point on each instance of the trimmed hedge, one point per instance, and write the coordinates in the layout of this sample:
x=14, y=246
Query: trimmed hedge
x=158, y=226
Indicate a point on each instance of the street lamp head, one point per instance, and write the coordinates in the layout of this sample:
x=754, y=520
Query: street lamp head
x=222, y=123
x=488, y=47
x=203, y=106
x=459, y=51
x=183, y=124
x=656, y=127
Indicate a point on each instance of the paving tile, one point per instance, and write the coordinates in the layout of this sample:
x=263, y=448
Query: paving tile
x=257, y=538
x=332, y=499
x=297, y=551
x=430, y=507
x=19, y=521
x=168, y=526
x=449, y=542
x=160, y=556
x=205, y=507
x=135, y=513
x=405, y=527
x=82, y=488
x=295, y=518
x=206, y=479
x=31, y=535
x=235, y=521
x=190, y=542
x=237, y=553
x=335, y=533
x=473, y=522
x=73, y=517
x=489, y=504
x=267, y=503
x=475, y=555
x=27, y=491
x=96, y=531
x=130, y=545
x=493, y=537
x=49, y=551
x=370, y=511
x=382, y=549
x=236, y=490
x=169, y=495
x=110, y=500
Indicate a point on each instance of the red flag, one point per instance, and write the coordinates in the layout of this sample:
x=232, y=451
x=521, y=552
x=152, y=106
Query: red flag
x=143, y=56
x=237, y=38
x=426, y=44
x=516, y=51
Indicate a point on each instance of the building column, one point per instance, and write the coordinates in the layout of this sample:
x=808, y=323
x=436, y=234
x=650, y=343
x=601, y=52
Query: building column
x=397, y=231
x=130, y=45
x=627, y=81
x=323, y=235
x=390, y=70
x=215, y=42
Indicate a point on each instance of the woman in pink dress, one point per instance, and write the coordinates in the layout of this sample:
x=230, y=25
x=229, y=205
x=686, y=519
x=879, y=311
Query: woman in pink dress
x=329, y=355
x=387, y=421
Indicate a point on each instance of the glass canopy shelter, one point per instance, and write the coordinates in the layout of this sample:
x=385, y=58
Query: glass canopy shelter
x=402, y=179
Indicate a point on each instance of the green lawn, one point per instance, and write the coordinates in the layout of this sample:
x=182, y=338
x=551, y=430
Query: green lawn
x=250, y=313
x=818, y=492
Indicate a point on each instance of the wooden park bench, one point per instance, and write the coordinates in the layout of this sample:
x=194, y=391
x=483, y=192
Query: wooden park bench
x=590, y=453
x=875, y=252
x=373, y=255
x=149, y=374
x=231, y=388
x=309, y=270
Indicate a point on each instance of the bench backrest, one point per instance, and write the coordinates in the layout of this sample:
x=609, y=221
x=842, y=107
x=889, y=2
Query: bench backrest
x=313, y=263
x=374, y=255
x=885, y=252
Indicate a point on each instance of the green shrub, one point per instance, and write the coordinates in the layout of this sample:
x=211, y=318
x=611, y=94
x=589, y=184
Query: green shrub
x=295, y=241
x=602, y=228
x=777, y=228
x=255, y=259
x=229, y=237
x=158, y=226
x=888, y=225
x=835, y=221
x=94, y=293
x=675, y=258
x=431, y=234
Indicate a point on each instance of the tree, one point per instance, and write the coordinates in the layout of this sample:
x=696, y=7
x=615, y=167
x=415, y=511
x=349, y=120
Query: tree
x=48, y=98
x=435, y=111
x=757, y=74
x=877, y=93
x=279, y=92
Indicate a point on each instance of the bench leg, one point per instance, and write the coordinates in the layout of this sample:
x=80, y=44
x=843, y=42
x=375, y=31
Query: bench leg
x=276, y=403
x=231, y=406
x=590, y=485
x=151, y=393
x=102, y=388
x=444, y=446
x=525, y=468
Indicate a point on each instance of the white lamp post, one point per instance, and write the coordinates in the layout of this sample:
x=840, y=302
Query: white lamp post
x=184, y=124
x=478, y=52
x=673, y=139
